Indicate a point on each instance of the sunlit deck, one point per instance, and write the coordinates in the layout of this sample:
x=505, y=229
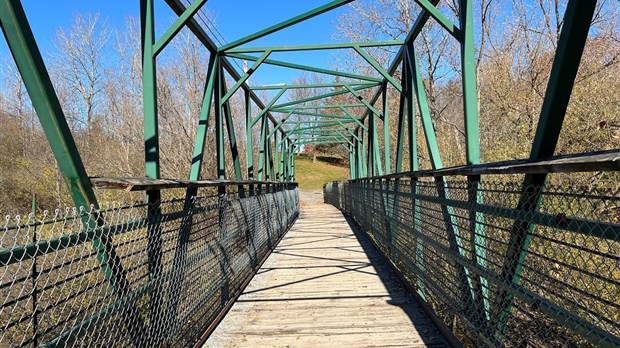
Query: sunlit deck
x=325, y=285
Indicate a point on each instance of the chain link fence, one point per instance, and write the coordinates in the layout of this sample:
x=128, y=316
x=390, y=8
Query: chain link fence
x=499, y=275
x=139, y=278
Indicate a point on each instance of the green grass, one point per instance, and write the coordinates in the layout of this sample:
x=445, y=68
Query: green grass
x=312, y=176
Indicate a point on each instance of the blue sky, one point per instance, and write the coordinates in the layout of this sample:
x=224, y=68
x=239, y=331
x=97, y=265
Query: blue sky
x=234, y=19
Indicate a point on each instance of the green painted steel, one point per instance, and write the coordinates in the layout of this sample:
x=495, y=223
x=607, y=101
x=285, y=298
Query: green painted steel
x=456, y=240
x=472, y=151
x=249, y=149
x=230, y=127
x=219, y=124
x=313, y=85
x=378, y=67
x=306, y=68
x=318, y=97
x=245, y=76
x=417, y=86
x=363, y=101
x=315, y=127
x=265, y=110
x=443, y=20
x=400, y=140
x=318, y=107
x=334, y=46
x=178, y=7
x=297, y=19
x=386, y=131
x=470, y=94
x=577, y=19
x=282, y=122
x=322, y=115
x=149, y=90
x=488, y=295
x=178, y=24
x=348, y=130
x=355, y=119
x=203, y=120
x=262, y=147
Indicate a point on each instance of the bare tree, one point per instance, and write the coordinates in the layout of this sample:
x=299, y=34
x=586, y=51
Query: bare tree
x=81, y=61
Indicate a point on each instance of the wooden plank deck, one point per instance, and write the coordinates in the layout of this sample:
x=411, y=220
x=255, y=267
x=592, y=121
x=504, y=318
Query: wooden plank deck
x=325, y=286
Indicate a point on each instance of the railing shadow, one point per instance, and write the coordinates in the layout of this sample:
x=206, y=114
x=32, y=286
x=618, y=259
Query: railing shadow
x=400, y=296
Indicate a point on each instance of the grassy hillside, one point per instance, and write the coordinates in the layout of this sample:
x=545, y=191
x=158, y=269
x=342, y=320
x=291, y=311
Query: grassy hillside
x=312, y=176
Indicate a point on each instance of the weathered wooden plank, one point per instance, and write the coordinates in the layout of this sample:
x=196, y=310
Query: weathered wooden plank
x=603, y=161
x=145, y=184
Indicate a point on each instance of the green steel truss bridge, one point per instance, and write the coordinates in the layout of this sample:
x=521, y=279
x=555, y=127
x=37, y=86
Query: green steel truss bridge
x=495, y=254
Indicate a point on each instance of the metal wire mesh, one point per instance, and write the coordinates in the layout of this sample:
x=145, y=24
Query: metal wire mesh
x=137, y=279
x=454, y=241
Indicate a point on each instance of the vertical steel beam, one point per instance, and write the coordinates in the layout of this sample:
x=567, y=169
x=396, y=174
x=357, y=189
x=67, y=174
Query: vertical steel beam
x=386, y=130
x=456, y=242
x=577, y=19
x=276, y=155
x=151, y=154
x=377, y=150
x=149, y=90
x=470, y=96
x=27, y=56
x=370, y=154
x=270, y=160
x=203, y=120
x=400, y=141
x=249, y=152
x=219, y=125
x=472, y=149
x=262, y=148
x=412, y=134
x=364, y=153
x=230, y=128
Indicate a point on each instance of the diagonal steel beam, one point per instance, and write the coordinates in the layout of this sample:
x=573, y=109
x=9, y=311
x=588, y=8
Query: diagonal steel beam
x=354, y=118
x=419, y=23
x=266, y=108
x=245, y=76
x=305, y=67
x=285, y=24
x=318, y=97
x=440, y=18
x=180, y=22
x=378, y=67
x=178, y=7
x=316, y=47
x=363, y=101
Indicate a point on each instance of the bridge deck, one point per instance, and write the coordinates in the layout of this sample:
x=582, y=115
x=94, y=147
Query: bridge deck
x=325, y=285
